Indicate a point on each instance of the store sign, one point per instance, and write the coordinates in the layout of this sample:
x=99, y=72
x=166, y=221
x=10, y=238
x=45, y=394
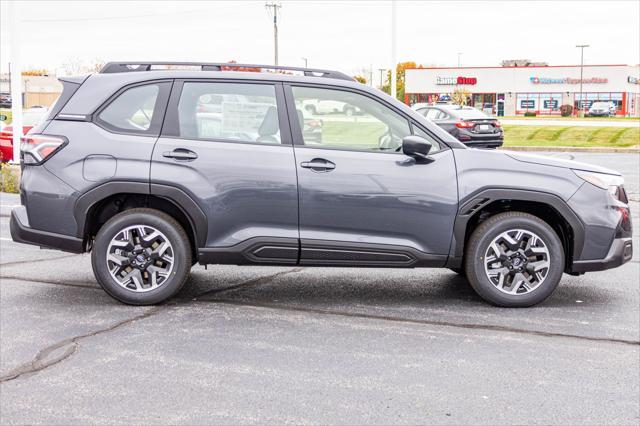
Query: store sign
x=632, y=80
x=527, y=103
x=452, y=81
x=568, y=80
x=550, y=104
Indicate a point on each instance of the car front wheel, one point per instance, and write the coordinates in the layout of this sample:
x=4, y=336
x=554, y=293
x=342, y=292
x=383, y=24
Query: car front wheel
x=141, y=256
x=514, y=259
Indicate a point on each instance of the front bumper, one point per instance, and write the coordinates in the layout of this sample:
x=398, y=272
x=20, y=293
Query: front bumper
x=620, y=252
x=22, y=233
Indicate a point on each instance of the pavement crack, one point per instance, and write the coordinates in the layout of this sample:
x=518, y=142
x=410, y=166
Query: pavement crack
x=487, y=327
x=20, y=262
x=266, y=279
x=58, y=352
x=39, y=281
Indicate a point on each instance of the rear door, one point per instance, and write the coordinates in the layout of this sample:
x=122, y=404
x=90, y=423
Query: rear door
x=227, y=145
x=363, y=202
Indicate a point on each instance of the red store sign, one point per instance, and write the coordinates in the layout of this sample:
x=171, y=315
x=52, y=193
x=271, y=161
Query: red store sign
x=452, y=81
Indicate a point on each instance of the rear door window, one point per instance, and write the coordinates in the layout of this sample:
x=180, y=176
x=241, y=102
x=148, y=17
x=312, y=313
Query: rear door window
x=234, y=112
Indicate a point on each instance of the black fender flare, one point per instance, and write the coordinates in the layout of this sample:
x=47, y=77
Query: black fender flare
x=179, y=198
x=474, y=202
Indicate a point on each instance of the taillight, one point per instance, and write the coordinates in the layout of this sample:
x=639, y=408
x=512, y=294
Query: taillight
x=465, y=124
x=497, y=124
x=36, y=149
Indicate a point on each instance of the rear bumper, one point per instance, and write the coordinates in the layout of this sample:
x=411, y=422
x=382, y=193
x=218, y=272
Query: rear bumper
x=620, y=252
x=22, y=233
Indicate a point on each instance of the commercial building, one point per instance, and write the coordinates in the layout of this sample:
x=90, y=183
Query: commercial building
x=514, y=90
x=37, y=90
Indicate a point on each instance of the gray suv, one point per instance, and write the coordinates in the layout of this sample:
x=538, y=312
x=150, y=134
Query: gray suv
x=154, y=170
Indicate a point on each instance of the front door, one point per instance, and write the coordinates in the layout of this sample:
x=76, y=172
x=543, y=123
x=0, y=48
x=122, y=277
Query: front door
x=228, y=147
x=361, y=200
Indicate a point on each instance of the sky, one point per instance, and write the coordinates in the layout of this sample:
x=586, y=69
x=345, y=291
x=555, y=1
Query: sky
x=349, y=36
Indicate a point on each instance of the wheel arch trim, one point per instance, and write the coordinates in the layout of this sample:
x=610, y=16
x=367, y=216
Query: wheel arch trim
x=472, y=204
x=174, y=195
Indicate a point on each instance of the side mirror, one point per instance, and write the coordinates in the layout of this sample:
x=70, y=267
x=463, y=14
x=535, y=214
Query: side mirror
x=3, y=117
x=416, y=147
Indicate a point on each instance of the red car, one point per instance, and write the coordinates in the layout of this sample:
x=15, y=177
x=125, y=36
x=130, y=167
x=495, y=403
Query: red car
x=30, y=118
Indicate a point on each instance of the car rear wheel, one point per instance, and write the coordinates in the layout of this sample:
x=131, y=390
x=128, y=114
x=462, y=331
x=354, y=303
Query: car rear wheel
x=141, y=256
x=514, y=259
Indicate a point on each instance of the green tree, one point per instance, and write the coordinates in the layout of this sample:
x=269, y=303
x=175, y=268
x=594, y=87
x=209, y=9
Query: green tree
x=400, y=73
x=360, y=79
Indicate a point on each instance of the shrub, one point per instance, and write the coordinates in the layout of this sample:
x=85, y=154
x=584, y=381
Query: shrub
x=9, y=181
x=530, y=114
x=566, y=110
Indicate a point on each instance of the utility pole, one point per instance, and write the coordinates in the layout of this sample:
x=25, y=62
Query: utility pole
x=393, y=48
x=459, y=55
x=382, y=70
x=581, y=46
x=272, y=8
x=16, y=78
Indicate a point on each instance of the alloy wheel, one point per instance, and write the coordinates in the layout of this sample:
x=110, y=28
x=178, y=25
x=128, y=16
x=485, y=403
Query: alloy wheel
x=140, y=258
x=517, y=261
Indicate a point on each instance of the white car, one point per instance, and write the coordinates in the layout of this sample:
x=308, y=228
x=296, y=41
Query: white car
x=322, y=106
x=602, y=109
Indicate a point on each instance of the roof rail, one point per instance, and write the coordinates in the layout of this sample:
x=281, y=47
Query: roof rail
x=115, y=67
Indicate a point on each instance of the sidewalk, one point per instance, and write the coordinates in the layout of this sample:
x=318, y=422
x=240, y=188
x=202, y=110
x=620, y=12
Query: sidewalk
x=567, y=123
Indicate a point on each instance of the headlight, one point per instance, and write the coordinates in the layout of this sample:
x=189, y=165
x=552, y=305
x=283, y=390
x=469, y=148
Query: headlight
x=602, y=180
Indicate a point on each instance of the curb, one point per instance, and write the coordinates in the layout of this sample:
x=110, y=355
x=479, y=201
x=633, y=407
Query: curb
x=598, y=150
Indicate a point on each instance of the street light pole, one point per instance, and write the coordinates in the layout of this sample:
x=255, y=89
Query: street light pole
x=305, y=62
x=393, y=49
x=459, y=54
x=581, y=46
x=272, y=7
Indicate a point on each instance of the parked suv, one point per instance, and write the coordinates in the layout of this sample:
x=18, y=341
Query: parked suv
x=129, y=167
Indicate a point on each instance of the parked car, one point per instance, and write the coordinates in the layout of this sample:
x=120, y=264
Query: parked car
x=327, y=106
x=602, y=109
x=123, y=168
x=5, y=100
x=30, y=118
x=467, y=124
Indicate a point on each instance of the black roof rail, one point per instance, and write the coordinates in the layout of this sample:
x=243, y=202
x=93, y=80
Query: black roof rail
x=115, y=67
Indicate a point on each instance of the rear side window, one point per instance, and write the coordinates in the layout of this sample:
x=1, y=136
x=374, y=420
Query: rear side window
x=241, y=112
x=134, y=110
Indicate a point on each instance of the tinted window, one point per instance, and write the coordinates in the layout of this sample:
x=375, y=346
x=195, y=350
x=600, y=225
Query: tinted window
x=229, y=111
x=347, y=120
x=133, y=109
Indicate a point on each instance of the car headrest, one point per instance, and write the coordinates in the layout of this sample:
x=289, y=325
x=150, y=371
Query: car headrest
x=269, y=125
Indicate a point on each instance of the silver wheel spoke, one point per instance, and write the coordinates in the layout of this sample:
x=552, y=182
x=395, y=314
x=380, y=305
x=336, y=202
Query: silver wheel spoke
x=140, y=258
x=517, y=261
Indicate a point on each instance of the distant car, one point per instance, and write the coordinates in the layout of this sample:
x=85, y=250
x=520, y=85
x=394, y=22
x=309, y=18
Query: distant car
x=467, y=124
x=30, y=118
x=5, y=100
x=325, y=106
x=602, y=109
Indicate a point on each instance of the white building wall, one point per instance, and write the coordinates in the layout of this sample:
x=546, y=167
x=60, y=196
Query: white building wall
x=504, y=80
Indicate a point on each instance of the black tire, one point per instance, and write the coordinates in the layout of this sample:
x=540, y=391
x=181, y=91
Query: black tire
x=478, y=245
x=349, y=111
x=311, y=109
x=180, y=246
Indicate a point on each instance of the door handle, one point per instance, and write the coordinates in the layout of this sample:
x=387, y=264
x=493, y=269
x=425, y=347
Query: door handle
x=180, y=154
x=318, y=165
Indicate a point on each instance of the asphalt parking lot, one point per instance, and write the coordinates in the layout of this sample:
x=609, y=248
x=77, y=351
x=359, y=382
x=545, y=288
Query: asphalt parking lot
x=325, y=345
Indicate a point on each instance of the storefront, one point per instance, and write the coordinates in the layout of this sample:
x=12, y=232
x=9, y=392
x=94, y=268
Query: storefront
x=537, y=89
